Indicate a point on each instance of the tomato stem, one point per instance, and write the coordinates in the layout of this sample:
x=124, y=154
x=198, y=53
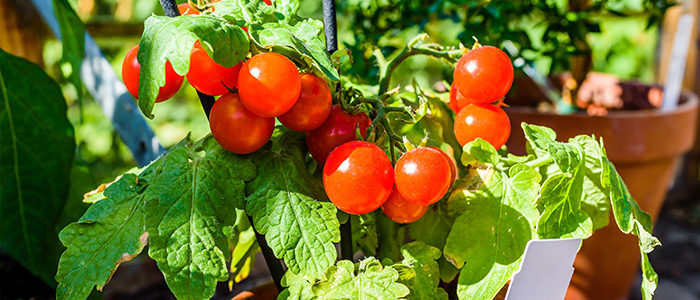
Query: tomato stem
x=386, y=68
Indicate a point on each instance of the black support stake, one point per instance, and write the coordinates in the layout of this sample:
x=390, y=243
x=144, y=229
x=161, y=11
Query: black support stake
x=330, y=25
x=274, y=264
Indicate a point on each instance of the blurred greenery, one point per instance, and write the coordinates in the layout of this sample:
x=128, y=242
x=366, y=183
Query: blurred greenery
x=624, y=46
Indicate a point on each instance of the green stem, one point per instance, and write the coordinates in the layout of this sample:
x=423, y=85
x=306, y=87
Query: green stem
x=539, y=162
x=386, y=69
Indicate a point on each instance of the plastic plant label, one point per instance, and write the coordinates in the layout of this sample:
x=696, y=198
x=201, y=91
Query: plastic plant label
x=546, y=270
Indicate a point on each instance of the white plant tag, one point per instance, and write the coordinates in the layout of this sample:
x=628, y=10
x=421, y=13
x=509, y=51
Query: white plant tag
x=546, y=270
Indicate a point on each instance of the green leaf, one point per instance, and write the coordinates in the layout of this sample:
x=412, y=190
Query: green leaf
x=364, y=234
x=289, y=206
x=370, y=280
x=539, y=136
x=559, y=218
x=298, y=288
x=631, y=219
x=488, y=239
x=190, y=213
x=245, y=247
x=250, y=12
x=391, y=237
x=306, y=38
x=432, y=229
x=112, y=231
x=73, y=40
x=595, y=200
x=37, y=146
x=171, y=39
x=422, y=259
x=480, y=151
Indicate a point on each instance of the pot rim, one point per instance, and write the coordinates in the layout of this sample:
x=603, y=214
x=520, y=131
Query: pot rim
x=691, y=103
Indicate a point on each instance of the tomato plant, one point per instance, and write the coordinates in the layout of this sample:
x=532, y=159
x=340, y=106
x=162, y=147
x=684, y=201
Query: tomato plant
x=130, y=74
x=269, y=84
x=346, y=145
x=358, y=177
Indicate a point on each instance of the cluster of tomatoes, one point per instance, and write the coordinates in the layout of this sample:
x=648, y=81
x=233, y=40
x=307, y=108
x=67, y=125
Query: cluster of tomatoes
x=358, y=178
x=482, y=77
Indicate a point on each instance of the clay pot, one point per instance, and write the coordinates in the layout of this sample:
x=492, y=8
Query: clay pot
x=644, y=146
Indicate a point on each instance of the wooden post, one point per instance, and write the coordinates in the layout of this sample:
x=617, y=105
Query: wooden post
x=21, y=34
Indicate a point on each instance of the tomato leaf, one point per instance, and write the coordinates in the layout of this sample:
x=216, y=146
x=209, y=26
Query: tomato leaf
x=422, y=259
x=171, y=39
x=432, y=229
x=305, y=38
x=367, y=279
x=112, y=231
x=249, y=12
x=631, y=219
x=491, y=234
x=289, y=206
x=481, y=151
x=595, y=197
x=190, y=213
x=33, y=181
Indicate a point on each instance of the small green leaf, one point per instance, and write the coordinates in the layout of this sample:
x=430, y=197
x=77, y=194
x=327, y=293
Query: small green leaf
x=422, y=259
x=481, y=151
x=171, y=39
x=37, y=147
x=539, y=136
x=306, y=38
x=370, y=280
x=190, y=213
x=298, y=288
x=112, y=231
x=290, y=208
x=250, y=12
x=432, y=229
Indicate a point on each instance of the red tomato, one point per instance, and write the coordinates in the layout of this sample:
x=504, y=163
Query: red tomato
x=453, y=166
x=131, y=72
x=488, y=122
x=209, y=77
x=237, y=129
x=401, y=210
x=423, y=175
x=358, y=177
x=312, y=107
x=186, y=9
x=268, y=2
x=269, y=84
x=457, y=101
x=339, y=128
x=484, y=74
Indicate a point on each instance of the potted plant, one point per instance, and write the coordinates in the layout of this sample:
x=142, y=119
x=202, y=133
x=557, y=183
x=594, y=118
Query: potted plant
x=435, y=205
x=558, y=35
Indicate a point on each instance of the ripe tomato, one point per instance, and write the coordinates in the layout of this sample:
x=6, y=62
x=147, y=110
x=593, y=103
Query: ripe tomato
x=401, y=210
x=237, y=129
x=423, y=175
x=312, y=107
x=268, y=2
x=131, y=72
x=186, y=9
x=488, y=122
x=209, y=77
x=338, y=129
x=269, y=84
x=457, y=101
x=358, y=177
x=484, y=74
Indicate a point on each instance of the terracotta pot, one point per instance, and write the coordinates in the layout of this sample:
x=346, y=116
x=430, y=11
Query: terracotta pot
x=644, y=146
